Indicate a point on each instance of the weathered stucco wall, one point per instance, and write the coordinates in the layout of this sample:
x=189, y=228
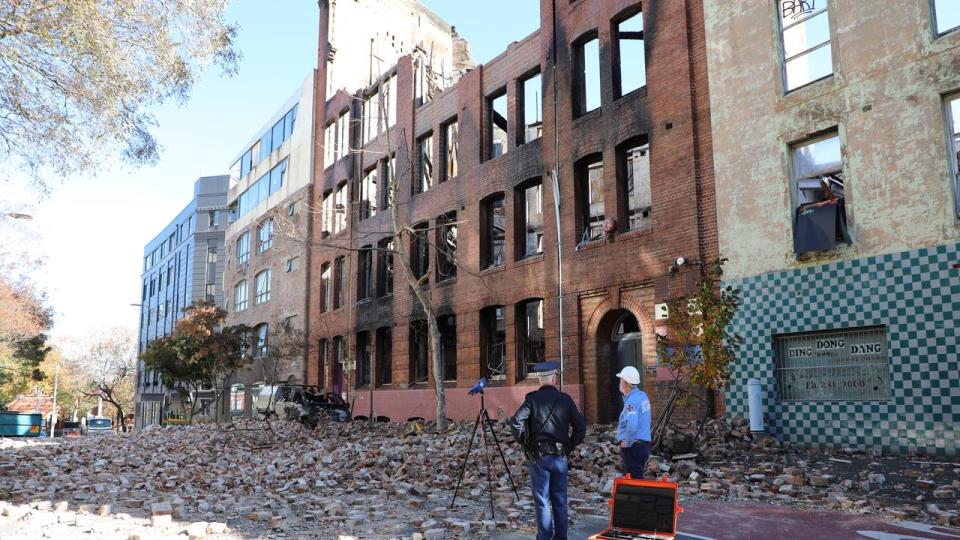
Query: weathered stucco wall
x=886, y=99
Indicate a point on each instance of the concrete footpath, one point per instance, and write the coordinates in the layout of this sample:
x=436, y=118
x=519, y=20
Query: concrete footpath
x=741, y=521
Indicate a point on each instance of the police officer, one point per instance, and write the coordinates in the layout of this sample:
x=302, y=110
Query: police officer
x=542, y=425
x=633, y=431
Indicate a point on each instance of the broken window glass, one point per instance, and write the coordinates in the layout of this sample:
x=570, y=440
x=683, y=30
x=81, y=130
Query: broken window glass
x=365, y=272
x=821, y=218
x=631, y=61
x=363, y=359
x=636, y=177
x=420, y=251
x=497, y=124
x=805, y=37
x=384, y=356
x=532, y=88
x=340, y=208
x=339, y=278
x=385, y=267
x=324, y=287
x=946, y=15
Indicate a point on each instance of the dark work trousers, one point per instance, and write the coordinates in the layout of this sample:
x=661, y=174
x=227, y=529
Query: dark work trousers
x=635, y=458
x=548, y=478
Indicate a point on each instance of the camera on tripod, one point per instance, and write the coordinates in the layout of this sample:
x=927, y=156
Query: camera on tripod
x=478, y=388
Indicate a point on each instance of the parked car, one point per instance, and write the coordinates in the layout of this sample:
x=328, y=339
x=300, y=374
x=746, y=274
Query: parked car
x=71, y=429
x=302, y=403
x=99, y=425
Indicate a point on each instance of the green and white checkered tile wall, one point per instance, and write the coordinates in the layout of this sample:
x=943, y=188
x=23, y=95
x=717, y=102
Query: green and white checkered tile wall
x=915, y=295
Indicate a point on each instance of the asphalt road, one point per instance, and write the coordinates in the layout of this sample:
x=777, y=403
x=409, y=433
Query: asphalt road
x=741, y=521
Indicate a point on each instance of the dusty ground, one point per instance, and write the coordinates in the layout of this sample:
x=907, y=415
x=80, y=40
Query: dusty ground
x=396, y=481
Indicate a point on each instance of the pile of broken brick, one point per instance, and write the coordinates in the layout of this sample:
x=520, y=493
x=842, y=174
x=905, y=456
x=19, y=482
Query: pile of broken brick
x=396, y=480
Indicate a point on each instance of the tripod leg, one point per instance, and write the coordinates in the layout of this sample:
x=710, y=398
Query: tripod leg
x=466, y=458
x=486, y=451
x=502, y=457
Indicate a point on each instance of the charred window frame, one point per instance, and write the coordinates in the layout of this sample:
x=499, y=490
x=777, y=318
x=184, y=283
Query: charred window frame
x=946, y=16
x=384, y=348
x=497, y=127
x=493, y=343
x=385, y=267
x=450, y=150
x=530, y=336
x=388, y=187
x=633, y=176
x=339, y=282
x=424, y=164
x=590, y=193
x=326, y=214
x=363, y=359
x=340, y=204
x=446, y=246
x=952, y=111
x=805, y=42
x=530, y=105
x=447, y=325
x=629, y=56
x=529, y=212
x=322, y=361
x=368, y=194
x=325, y=287
x=419, y=351
x=586, y=73
x=420, y=250
x=364, y=272
x=493, y=232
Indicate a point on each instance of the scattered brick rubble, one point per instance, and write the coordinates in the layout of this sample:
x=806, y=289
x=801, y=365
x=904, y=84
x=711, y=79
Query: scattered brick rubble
x=396, y=480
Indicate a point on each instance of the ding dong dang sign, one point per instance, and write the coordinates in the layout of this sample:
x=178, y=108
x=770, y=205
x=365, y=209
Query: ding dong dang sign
x=833, y=365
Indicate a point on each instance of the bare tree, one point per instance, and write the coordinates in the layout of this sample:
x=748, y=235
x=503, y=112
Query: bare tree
x=110, y=367
x=77, y=76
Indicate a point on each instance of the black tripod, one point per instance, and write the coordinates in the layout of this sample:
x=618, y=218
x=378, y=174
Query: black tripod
x=483, y=423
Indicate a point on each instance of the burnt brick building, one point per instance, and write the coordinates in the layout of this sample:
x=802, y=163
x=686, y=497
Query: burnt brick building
x=605, y=110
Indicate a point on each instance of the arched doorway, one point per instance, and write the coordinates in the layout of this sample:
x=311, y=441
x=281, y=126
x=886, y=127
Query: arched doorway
x=619, y=345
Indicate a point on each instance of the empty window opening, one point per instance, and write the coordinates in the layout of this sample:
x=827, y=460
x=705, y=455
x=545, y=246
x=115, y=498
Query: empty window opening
x=339, y=282
x=385, y=267
x=493, y=342
x=530, y=219
x=531, y=91
x=425, y=163
x=450, y=151
x=368, y=194
x=364, y=272
x=419, y=340
x=340, y=208
x=820, y=214
x=325, y=288
x=497, y=124
x=631, y=61
x=384, y=349
x=946, y=14
x=446, y=246
x=448, y=346
x=530, y=336
x=634, y=176
x=493, y=232
x=420, y=251
x=590, y=198
x=953, y=125
x=586, y=56
x=364, y=364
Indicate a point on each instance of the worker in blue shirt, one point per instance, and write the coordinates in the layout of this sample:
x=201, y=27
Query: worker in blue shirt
x=633, y=431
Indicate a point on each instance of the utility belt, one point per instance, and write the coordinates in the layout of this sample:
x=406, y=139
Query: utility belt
x=544, y=448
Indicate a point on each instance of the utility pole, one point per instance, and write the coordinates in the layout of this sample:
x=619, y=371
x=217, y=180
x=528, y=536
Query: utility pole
x=56, y=386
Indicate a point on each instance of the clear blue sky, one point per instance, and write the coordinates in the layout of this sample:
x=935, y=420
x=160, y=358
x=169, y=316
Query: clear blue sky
x=92, y=229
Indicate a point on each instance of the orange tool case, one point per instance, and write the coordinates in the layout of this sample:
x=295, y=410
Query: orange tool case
x=642, y=510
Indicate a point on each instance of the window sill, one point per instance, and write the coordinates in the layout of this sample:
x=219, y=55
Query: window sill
x=635, y=233
x=530, y=259
x=583, y=117
x=840, y=252
x=492, y=270
x=447, y=281
x=591, y=245
x=808, y=87
x=637, y=92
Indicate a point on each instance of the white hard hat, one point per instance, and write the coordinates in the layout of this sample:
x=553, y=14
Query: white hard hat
x=630, y=374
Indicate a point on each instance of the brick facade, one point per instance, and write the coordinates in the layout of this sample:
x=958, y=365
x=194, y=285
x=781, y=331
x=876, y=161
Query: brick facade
x=603, y=280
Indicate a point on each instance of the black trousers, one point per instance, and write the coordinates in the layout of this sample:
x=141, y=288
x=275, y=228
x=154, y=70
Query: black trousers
x=635, y=458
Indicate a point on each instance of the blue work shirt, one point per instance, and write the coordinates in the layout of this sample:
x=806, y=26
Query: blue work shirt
x=634, y=418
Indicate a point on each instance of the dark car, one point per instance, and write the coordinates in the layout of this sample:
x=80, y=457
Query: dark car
x=307, y=404
x=71, y=429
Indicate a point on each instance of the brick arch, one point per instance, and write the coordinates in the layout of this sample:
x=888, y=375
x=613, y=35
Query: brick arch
x=633, y=305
